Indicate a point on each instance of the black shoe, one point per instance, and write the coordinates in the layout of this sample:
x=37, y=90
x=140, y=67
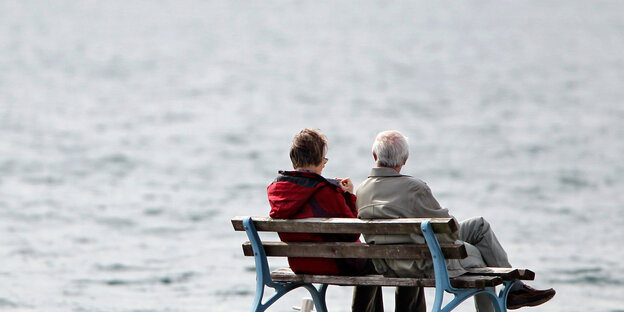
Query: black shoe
x=528, y=296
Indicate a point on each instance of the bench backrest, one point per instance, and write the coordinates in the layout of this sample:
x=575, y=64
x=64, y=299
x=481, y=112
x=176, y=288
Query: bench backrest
x=350, y=226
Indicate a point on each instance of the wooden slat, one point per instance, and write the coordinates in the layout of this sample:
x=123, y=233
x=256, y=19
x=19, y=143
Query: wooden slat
x=526, y=274
x=347, y=225
x=286, y=275
x=355, y=250
x=506, y=274
x=475, y=281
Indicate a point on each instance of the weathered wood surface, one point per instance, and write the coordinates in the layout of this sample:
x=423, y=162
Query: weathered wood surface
x=348, y=225
x=354, y=250
x=287, y=275
x=506, y=274
x=475, y=278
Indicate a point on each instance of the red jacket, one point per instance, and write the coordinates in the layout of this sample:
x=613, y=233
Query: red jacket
x=304, y=194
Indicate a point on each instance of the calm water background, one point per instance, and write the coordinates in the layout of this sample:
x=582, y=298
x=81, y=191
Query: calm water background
x=132, y=131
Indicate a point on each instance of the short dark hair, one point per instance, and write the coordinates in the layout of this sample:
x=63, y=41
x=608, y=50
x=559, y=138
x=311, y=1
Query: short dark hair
x=308, y=148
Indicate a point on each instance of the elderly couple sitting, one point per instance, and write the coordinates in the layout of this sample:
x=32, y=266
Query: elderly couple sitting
x=304, y=193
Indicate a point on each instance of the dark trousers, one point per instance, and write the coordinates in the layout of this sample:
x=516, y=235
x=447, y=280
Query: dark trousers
x=370, y=298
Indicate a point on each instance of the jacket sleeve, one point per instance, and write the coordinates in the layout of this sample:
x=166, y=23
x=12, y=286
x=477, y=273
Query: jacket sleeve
x=351, y=199
x=434, y=210
x=280, y=213
x=427, y=205
x=339, y=204
x=283, y=204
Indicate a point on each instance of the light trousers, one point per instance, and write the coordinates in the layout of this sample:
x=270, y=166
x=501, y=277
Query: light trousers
x=484, y=250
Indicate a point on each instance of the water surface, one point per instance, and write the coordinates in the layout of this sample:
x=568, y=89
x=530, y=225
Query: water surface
x=131, y=132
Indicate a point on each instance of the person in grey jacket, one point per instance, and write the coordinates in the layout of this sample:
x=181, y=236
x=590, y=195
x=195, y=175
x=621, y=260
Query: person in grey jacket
x=388, y=194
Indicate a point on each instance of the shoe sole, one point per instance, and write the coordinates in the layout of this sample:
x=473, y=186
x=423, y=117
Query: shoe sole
x=531, y=304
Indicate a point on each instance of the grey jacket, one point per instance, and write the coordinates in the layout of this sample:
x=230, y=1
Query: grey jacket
x=387, y=194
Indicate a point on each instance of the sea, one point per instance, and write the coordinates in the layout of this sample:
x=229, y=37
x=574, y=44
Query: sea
x=131, y=132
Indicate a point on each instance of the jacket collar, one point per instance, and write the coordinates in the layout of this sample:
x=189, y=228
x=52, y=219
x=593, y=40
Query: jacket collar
x=384, y=172
x=300, y=173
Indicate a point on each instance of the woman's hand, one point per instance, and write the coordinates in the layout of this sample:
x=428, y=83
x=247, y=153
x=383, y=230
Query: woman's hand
x=346, y=184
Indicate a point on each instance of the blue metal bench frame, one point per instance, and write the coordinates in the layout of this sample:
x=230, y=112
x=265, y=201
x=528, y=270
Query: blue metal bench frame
x=263, y=277
x=443, y=284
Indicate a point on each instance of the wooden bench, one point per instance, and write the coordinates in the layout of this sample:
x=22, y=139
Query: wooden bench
x=481, y=280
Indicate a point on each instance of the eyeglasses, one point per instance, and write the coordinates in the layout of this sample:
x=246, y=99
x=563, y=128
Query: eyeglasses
x=325, y=160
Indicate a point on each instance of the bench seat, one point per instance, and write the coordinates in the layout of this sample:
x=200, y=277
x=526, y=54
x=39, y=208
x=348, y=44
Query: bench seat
x=475, y=281
x=475, y=278
x=464, y=281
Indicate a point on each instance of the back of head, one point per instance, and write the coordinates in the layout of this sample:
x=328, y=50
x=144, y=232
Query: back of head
x=308, y=148
x=391, y=149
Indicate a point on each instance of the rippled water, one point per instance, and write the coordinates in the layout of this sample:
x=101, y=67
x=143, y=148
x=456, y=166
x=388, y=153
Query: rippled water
x=131, y=132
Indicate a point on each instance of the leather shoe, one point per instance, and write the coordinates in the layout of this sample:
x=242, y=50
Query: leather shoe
x=527, y=296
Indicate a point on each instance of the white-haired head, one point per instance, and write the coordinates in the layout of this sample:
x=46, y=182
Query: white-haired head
x=391, y=149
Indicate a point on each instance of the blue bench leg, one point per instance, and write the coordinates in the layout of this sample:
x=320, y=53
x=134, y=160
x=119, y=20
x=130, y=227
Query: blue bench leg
x=499, y=305
x=280, y=291
x=502, y=295
x=499, y=302
x=318, y=296
x=460, y=296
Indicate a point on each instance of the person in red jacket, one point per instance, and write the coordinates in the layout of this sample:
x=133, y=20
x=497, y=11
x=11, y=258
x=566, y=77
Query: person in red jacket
x=304, y=193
